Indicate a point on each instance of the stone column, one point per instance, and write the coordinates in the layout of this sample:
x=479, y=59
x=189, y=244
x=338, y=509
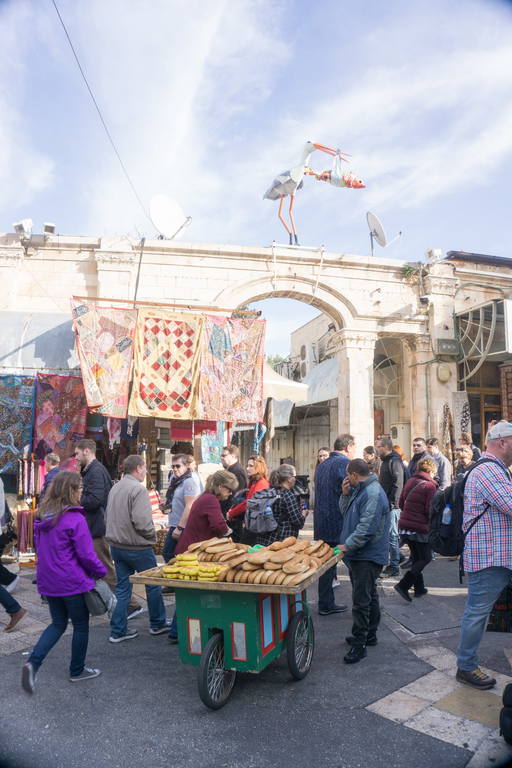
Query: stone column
x=355, y=352
x=420, y=383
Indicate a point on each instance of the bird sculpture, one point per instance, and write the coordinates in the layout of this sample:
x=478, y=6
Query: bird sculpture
x=288, y=182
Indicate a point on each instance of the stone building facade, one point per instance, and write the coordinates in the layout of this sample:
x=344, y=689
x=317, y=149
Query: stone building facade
x=374, y=309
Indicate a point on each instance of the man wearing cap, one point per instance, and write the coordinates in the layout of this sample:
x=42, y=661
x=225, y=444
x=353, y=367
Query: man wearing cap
x=488, y=548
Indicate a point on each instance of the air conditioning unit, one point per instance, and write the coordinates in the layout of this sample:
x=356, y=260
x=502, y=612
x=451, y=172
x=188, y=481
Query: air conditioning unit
x=401, y=435
x=308, y=358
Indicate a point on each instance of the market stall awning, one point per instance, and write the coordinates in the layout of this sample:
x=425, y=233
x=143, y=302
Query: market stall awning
x=322, y=382
x=280, y=388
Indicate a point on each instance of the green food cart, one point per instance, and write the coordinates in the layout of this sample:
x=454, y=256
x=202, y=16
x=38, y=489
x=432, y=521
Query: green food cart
x=225, y=628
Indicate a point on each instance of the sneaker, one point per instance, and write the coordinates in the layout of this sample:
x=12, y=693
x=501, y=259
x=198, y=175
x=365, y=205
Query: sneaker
x=356, y=653
x=403, y=592
x=160, y=630
x=86, y=674
x=15, y=619
x=130, y=634
x=28, y=677
x=476, y=678
x=173, y=639
x=12, y=586
x=334, y=609
x=370, y=640
x=390, y=571
x=135, y=612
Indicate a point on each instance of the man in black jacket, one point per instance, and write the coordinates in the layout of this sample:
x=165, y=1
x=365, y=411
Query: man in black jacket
x=419, y=451
x=391, y=478
x=97, y=483
x=230, y=461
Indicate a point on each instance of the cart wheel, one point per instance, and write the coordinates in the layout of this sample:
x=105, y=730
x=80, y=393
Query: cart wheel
x=215, y=683
x=300, y=644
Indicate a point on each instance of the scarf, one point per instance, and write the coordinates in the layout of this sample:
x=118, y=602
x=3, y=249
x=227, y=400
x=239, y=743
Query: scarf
x=175, y=483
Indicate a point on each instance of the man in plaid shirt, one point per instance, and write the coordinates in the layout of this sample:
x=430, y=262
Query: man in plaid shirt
x=488, y=548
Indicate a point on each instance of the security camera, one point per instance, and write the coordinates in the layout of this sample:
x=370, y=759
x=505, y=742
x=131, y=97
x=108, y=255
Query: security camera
x=425, y=300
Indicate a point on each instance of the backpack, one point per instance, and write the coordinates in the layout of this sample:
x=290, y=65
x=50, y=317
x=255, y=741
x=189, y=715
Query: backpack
x=256, y=519
x=448, y=539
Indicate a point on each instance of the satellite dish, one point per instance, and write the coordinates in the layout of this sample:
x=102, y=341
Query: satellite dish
x=377, y=231
x=167, y=215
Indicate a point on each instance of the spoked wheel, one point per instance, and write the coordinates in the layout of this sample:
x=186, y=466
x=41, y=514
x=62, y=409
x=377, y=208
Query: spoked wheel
x=300, y=644
x=215, y=683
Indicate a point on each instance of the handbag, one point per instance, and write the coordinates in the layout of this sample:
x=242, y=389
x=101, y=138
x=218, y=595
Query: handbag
x=100, y=599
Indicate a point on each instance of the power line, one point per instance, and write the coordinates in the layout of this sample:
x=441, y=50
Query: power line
x=98, y=110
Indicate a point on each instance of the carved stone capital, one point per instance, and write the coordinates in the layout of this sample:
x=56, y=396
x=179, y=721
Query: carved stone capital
x=419, y=344
x=348, y=339
x=11, y=257
x=112, y=259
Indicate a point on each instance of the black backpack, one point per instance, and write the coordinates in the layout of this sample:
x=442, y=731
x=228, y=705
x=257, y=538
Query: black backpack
x=448, y=538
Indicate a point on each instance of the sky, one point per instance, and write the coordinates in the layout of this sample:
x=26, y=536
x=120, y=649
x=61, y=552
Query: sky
x=208, y=100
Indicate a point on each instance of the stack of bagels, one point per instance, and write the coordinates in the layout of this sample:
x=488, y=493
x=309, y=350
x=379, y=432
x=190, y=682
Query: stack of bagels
x=287, y=562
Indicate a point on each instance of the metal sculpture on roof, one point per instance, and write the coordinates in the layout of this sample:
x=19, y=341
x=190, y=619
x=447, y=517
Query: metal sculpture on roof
x=288, y=182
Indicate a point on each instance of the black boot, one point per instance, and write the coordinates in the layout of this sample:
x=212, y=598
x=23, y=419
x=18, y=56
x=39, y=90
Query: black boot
x=404, y=586
x=419, y=586
x=296, y=241
x=356, y=653
x=291, y=239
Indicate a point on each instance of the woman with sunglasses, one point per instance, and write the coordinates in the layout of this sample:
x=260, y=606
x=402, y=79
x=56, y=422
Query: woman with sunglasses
x=183, y=489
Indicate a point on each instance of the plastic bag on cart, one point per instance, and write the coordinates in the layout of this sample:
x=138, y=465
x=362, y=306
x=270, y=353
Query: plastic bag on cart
x=259, y=517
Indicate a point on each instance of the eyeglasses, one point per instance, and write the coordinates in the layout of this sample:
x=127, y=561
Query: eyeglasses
x=177, y=466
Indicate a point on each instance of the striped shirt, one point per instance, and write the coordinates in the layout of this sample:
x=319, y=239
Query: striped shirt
x=489, y=542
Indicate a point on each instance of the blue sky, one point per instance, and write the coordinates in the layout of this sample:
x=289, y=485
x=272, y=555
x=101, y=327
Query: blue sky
x=209, y=99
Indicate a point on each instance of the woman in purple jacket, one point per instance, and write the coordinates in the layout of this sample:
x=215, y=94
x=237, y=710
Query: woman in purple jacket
x=67, y=567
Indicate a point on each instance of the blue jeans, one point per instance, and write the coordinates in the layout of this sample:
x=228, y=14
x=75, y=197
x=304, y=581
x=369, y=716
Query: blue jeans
x=61, y=610
x=484, y=588
x=169, y=545
x=173, y=630
x=127, y=562
x=394, y=539
x=8, y=602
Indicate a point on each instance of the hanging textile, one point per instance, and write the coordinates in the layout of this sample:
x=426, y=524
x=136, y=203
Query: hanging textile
x=447, y=433
x=16, y=419
x=166, y=365
x=231, y=384
x=461, y=414
x=61, y=416
x=105, y=340
x=212, y=442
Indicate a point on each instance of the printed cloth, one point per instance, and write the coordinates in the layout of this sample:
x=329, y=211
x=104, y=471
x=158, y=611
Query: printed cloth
x=16, y=418
x=61, y=416
x=166, y=365
x=489, y=542
x=105, y=340
x=231, y=384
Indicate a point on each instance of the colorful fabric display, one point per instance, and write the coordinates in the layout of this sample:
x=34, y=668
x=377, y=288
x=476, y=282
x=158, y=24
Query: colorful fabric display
x=16, y=417
x=105, y=341
x=166, y=365
x=231, y=384
x=61, y=416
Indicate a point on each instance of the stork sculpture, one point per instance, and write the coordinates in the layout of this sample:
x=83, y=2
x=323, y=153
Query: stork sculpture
x=288, y=182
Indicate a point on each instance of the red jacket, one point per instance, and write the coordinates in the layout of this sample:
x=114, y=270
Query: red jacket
x=240, y=509
x=204, y=521
x=415, y=501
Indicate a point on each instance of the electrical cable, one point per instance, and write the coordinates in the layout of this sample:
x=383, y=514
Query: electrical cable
x=98, y=110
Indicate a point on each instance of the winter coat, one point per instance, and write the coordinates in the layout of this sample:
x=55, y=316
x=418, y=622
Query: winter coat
x=366, y=522
x=47, y=480
x=128, y=516
x=415, y=503
x=391, y=477
x=97, y=484
x=204, y=521
x=66, y=561
x=329, y=475
x=415, y=458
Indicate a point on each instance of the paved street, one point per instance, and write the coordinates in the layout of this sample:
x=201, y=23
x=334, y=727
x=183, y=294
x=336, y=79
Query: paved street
x=399, y=707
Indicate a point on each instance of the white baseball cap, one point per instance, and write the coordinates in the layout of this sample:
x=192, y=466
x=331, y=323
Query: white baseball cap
x=501, y=429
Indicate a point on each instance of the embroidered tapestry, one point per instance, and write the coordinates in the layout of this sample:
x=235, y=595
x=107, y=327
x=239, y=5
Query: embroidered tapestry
x=166, y=365
x=61, y=416
x=231, y=384
x=105, y=341
x=16, y=419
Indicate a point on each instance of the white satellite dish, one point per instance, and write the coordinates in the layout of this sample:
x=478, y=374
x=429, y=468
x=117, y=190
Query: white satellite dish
x=167, y=215
x=377, y=231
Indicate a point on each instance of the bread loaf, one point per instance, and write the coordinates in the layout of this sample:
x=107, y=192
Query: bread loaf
x=250, y=567
x=314, y=547
x=280, y=577
x=273, y=576
x=282, y=556
x=300, y=577
x=238, y=560
x=226, y=557
x=300, y=545
x=270, y=566
x=259, y=557
x=294, y=567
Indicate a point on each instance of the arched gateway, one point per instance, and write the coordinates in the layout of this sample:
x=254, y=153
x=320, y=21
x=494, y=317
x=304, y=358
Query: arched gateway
x=374, y=303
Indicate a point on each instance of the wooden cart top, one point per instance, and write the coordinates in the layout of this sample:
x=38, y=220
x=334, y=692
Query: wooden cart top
x=150, y=577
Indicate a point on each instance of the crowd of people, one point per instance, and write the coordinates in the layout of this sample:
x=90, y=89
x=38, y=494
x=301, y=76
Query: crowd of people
x=89, y=528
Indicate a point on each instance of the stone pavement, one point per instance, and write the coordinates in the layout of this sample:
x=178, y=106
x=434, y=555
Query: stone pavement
x=399, y=707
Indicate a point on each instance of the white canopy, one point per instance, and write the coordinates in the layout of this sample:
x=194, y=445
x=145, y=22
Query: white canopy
x=280, y=388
